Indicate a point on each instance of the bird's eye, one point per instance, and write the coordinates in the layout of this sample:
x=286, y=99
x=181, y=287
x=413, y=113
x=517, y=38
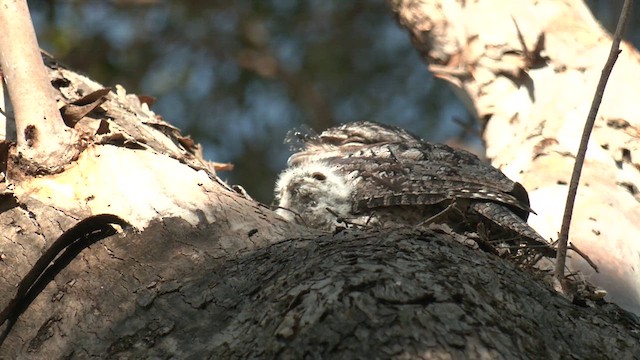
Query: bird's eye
x=319, y=176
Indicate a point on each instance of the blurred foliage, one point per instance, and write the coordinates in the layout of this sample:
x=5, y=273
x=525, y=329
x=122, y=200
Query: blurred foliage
x=237, y=75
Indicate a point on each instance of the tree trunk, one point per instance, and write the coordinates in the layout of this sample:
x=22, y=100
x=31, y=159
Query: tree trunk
x=205, y=272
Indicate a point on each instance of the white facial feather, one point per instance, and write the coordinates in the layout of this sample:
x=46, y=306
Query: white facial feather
x=306, y=191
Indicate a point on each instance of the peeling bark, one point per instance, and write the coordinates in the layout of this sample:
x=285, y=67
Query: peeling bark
x=206, y=272
x=133, y=165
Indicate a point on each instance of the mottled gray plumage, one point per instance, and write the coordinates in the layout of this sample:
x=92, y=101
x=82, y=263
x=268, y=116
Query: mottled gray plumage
x=384, y=176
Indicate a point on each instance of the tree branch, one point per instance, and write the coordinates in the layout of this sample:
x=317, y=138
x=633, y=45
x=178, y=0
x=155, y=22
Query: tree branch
x=584, y=141
x=42, y=137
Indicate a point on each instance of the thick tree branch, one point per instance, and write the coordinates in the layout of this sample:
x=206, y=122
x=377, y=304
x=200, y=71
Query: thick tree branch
x=348, y=295
x=208, y=274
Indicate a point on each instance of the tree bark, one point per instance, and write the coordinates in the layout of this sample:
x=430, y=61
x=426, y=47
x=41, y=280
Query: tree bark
x=205, y=272
x=43, y=140
x=176, y=291
x=528, y=70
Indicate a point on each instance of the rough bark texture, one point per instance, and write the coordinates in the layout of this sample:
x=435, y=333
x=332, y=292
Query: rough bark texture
x=133, y=165
x=528, y=70
x=351, y=295
x=207, y=273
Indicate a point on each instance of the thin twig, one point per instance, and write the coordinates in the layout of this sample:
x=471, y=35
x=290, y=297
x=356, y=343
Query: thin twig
x=341, y=219
x=591, y=118
x=584, y=256
x=295, y=214
x=438, y=215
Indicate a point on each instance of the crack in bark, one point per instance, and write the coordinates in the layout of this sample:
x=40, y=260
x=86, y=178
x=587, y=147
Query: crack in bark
x=55, y=258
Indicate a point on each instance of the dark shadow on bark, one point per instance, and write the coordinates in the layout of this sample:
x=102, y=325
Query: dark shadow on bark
x=175, y=291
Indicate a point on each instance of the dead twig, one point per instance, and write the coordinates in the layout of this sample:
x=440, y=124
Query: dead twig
x=584, y=256
x=577, y=168
x=341, y=219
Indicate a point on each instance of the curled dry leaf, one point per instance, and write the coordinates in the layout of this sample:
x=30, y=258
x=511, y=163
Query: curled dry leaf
x=76, y=110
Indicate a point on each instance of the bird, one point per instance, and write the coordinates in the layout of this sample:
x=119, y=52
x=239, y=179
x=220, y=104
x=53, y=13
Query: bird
x=374, y=175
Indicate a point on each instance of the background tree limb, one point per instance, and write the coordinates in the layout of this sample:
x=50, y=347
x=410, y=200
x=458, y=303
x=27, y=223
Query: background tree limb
x=532, y=109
